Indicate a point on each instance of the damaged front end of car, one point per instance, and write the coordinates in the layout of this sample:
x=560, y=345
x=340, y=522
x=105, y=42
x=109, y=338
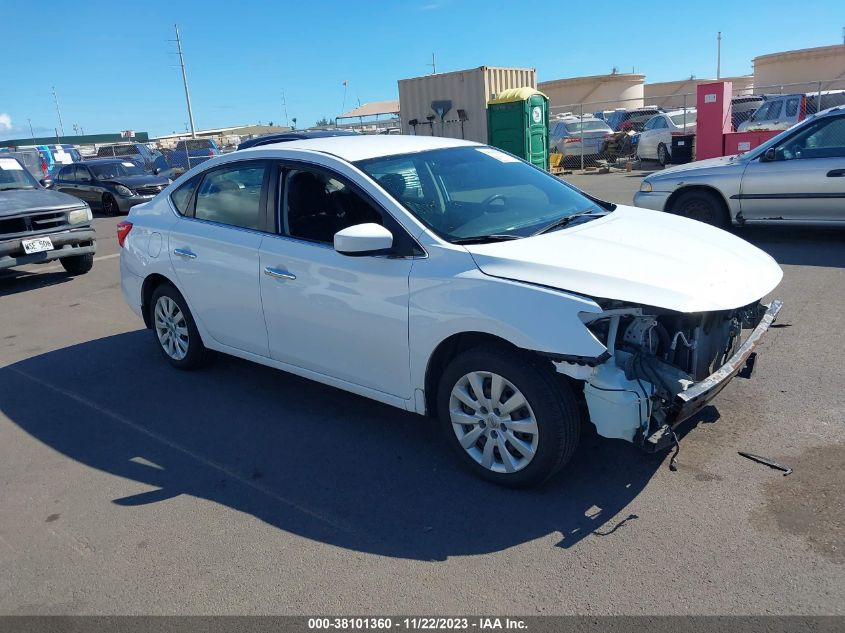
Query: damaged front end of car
x=663, y=366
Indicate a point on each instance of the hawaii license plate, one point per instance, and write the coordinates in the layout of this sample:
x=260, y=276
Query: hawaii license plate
x=37, y=245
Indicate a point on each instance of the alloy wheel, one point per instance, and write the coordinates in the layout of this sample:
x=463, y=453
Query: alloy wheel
x=171, y=328
x=493, y=422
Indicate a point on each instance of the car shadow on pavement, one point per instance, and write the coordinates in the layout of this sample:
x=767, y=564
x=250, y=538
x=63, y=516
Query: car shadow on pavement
x=305, y=458
x=13, y=281
x=799, y=246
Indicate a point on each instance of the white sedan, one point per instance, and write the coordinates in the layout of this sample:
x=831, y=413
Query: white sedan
x=655, y=142
x=452, y=280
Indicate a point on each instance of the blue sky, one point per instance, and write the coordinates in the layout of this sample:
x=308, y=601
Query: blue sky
x=113, y=68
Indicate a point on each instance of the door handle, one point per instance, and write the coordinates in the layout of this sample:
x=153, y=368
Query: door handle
x=836, y=173
x=184, y=252
x=278, y=273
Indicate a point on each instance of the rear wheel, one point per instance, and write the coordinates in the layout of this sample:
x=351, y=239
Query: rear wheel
x=175, y=329
x=110, y=205
x=508, y=418
x=78, y=264
x=663, y=156
x=703, y=206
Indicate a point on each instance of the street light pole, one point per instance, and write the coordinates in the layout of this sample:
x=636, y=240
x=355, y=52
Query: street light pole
x=719, y=55
x=185, y=81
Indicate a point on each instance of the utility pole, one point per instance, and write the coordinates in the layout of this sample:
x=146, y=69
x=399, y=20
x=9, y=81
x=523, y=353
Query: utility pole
x=719, y=55
x=285, y=108
x=185, y=81
x=58, y=111
x=31, y=132
x=433, y=65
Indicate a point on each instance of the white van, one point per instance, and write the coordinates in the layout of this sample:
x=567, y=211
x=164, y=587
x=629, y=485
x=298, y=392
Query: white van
x=780, y=112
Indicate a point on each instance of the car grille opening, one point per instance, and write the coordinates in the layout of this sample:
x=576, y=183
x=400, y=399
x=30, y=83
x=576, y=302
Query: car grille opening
x=35, y=223
x=149, y=190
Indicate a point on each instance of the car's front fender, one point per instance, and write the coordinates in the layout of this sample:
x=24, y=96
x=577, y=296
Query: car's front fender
x=527, y=316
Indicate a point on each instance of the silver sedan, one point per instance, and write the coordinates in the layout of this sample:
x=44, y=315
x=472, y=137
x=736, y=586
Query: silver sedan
x=797, y=177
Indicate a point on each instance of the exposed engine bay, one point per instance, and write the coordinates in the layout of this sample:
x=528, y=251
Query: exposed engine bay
x=654, y=357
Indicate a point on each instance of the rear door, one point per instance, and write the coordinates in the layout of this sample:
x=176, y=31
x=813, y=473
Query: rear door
x=805, y=182
x=214, y=251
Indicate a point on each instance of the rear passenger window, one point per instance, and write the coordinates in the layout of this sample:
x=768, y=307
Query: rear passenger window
x=232, y=195
x=181, y=198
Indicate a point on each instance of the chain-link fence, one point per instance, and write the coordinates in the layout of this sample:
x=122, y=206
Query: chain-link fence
x=622, y=131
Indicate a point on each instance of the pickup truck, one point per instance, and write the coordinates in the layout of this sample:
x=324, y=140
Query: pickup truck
x=38, y=225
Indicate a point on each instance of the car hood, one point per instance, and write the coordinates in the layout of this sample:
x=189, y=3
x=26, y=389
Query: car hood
x=642, y=257
x=138, y=181
x=17, y=201
x=690, y=168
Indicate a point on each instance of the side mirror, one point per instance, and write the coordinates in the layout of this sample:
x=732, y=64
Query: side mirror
x=363, y=239
x=46, y=182
x=770, y=155
x=157, y=171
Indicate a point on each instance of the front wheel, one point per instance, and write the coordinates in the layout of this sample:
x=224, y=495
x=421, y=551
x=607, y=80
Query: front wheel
x=509, y=418
x=78, y=264
x=110, y=205
x=703, y=206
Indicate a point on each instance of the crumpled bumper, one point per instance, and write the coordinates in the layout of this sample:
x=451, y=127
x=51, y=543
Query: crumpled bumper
x=693, y=399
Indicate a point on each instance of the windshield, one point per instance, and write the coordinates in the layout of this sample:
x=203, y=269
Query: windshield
x=14, y=176
x=586, y=126
x=679, y=119
x=473, y=192
x=116, y=170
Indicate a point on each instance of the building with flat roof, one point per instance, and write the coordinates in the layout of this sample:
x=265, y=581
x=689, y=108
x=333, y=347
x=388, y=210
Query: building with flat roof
x=220, y=135
x=598, y=92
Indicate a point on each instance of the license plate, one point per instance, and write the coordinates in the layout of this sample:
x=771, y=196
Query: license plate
x=38, y=245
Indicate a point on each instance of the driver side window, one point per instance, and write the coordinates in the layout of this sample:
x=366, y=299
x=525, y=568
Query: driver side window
x=824, y=139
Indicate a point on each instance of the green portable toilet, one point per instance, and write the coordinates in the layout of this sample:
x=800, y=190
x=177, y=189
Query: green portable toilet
x=518, y=122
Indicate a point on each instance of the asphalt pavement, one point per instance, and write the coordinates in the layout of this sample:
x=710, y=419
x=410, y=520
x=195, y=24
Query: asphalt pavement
x=129, y=487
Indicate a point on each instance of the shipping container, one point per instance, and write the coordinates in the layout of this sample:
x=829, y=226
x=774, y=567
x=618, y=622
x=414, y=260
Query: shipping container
x=455, y=104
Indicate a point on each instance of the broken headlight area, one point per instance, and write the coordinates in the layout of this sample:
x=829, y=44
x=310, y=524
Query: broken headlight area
x=653, y=357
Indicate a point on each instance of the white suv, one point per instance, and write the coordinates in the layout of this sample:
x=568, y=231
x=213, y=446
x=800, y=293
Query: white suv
x=449, y=278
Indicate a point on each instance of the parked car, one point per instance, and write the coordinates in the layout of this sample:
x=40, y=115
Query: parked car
x=294, y=135
x=38, y=225
x=623, y=120
x=34, y=163
x=55, y=155
x=797, y=177
x=449, y=278
x=655, y=142
x=572, y=136
x=150, y=160
x=743, y=107
x=109, y=184
x=192, y=152
x=780, y=112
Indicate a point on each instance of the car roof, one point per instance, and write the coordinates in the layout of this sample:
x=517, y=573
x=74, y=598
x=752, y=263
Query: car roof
x=108, y=159
x=364, y=146
x=293, y=135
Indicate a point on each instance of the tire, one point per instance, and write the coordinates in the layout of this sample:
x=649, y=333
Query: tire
x=663, y=156
x=78, y=264
x=704, y=206
x=550, y=419
x=110, y=205
x=175, y=330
